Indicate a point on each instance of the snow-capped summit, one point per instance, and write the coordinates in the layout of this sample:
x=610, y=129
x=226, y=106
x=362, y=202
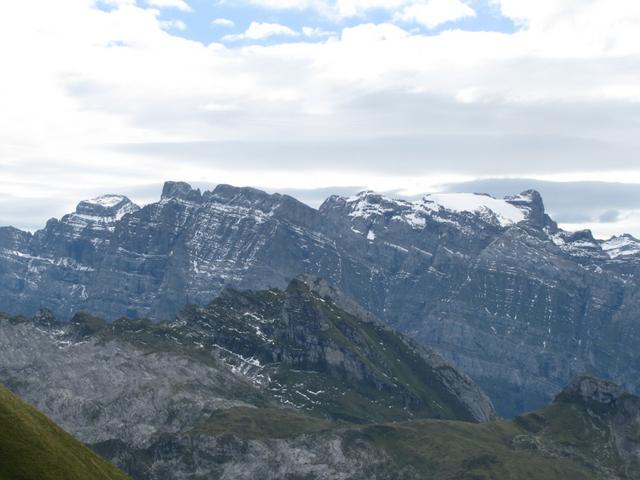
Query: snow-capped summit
x=100, y=213
x=482, y=204
x=621, y=246
x=180, y=190
x=436, y=207
x=108, y=201
x=106, y=206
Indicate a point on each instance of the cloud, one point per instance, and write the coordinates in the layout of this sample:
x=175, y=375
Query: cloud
x=115, y=3
x=112, y=99
x=427, y=12
x=261, y=31
x=223, y=22
x=288, y=4
x=435, y=12
x=610, y=216
x=181, y=5
x=314, y=32
x=173, y=25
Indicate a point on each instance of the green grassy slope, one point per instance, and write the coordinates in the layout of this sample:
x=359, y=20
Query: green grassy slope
x=34, y=448
x=445, y=450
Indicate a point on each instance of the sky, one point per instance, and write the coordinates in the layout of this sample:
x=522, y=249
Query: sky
x=312, y=97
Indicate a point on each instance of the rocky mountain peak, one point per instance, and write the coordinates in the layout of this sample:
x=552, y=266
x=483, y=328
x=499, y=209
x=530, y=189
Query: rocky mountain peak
x=368, y=205
x=592, y=389
x=246, y=197
x=11, y=238
x=530, y=201
x=181, y=191
x=585, y=235
x=366, y=202
x=115, y=206
x=228, y=193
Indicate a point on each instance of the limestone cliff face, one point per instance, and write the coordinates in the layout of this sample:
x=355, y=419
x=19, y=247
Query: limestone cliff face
x=492, y=284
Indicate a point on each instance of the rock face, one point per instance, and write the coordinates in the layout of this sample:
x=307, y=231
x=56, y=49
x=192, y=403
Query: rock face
x=589, y=389
x=492, y=284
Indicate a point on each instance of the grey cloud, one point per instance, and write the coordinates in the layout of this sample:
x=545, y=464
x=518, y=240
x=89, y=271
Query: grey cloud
x=28, y=214
x=610, y=216
x=399, y=133
x=419, y=154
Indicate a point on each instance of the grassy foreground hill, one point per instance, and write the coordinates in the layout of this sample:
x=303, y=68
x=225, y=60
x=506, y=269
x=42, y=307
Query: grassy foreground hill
x=32, y=447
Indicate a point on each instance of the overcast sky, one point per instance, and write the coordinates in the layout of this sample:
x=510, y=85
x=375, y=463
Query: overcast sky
x=314, y=96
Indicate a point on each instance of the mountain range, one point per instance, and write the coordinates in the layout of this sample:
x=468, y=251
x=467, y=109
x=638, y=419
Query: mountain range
x=492, y=285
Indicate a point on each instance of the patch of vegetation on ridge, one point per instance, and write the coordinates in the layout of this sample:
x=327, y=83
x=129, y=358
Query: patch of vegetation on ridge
x=450, y=450
x=261, y=423
x=386, y=353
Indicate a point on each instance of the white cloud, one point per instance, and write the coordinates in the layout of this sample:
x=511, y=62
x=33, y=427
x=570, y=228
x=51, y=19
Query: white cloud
x=288, y=4
x=116, y=3
x=173, y=25
x=261, y=31
x=435, y=12
x=181, y=5
x=223, y=22
x=577, y=27
x=409, y=10
x=313, y=32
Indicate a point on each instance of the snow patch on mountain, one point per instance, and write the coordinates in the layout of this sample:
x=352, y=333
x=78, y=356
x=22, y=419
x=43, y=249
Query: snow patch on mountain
x=99, y=214
x=107, y=201
x=505, y=213
x=579, y=244
x=621, y=246
x=368, y=204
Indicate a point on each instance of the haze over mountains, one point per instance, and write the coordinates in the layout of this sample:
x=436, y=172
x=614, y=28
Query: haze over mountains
x=492, y=284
